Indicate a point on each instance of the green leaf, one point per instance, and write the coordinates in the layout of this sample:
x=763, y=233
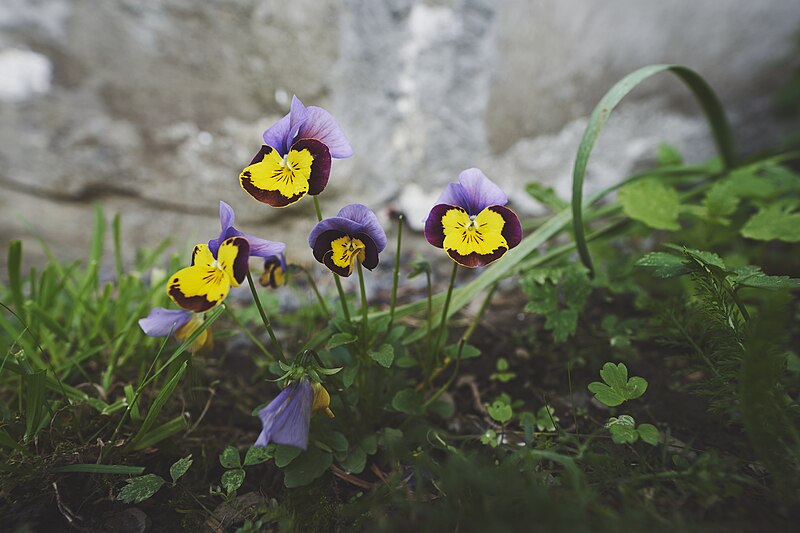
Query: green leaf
x=306, y=468
x=467, y=352
x=257, y=455
x=337, y=441
x=140, y=488
x=340, y=339
x=668, y=155
x=617, y=388
x=408, y=401
x=720, y=128
x=559, y=295
x=752, y=276
x=229, y=458
x=489, y=438
x=546, y=196
x=648, y=433
x=546, y=418
x=355, y=462
x=384, y=355
x=651, y=202
x=349, y=375
x=664, y=265
x=284, y=455
x=180, y=467
x=528, y=423
x=161, y=399
x=500, y=411
x=774, y=222
x=623, y=430
x=232, y=479
x=92, y=468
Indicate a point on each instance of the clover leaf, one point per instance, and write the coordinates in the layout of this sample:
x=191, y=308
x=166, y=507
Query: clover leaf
x=617, y=387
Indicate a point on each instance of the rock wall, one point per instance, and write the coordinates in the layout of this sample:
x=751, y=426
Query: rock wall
x=152, y=107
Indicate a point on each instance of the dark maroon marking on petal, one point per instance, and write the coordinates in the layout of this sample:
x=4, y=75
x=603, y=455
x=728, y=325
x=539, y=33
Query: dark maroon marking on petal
x=240, y=263
x=320, y=166
x=328, y=262
x=512, y=229
x=195, y=252
x=475, y=259
x=198, y=304
x=323, y=243
x=370, y=251
x=434, y=230
x=259, y=157
x=271, y=198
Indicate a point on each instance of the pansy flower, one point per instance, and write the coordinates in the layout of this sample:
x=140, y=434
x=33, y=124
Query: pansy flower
x=258, y=247
x=287, y=418
x=471, y=223
x=178, y=322
x=353, y=235
x=274, y=274
x=295, y=159
x=207, y=282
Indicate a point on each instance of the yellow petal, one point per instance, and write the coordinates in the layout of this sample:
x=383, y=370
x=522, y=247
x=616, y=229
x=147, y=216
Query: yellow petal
x=203, y=340
x=288, y=176
x=481, y=234
x=198, y=288
x=322, y=400
x=229, y=252
x=346, y=250
x=202, y=256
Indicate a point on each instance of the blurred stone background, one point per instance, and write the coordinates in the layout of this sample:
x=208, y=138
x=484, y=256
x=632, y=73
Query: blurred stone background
x=152, y=107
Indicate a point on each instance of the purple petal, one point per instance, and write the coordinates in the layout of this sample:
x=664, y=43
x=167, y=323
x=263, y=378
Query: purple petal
x=281, y=134
x=286, y=419
x=161, y=322
x=369, y=222
x=322, y=126
x=474, y=192
x=226, y=215
x=338, y=224
x=434, y=230
x=262, y=247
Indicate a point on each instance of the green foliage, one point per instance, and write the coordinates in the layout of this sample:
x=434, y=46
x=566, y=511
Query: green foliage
x=384, y=355
x=559, y=294
x=651, y=202
x=500, y=411
x=623, y=430
x=180, y=467
x=140, y=488
x=503, y=374
x=308, y=466
x=774, y=222
x=618, y=388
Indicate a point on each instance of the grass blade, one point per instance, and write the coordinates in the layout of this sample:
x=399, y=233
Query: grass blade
x=90, y=468
x=720, y=129
x=158, y=404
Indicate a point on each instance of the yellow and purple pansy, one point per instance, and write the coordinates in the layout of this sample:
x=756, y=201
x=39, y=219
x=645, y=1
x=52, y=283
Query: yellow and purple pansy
x=258, y=247
x=178, y=322
x=470, y=221
x=353, y=235
x=208, y=280
x=295, y=159
x=287, y=418
x=218, y=265
x=274, y=274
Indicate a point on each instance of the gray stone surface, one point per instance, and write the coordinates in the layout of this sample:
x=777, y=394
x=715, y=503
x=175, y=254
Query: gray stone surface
x=153, y=107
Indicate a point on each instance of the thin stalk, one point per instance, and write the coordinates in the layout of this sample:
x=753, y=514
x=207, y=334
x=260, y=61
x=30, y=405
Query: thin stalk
x=571, y=397
x=481, y=312
x=336, y=279
x=313, y=284
x=250, y=335
x=441, y=337
x=364, y=308
x=275, y=342
x=449, y=381
x=396, y=273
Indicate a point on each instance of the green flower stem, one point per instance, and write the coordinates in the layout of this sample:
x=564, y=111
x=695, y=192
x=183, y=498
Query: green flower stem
x=364, y=309
x=449, y=381
x=313, y=284
x=336, y=279
x=250, y=335
x=275, y=342
x=475, y=321
x=442, y=336
x=396, y=274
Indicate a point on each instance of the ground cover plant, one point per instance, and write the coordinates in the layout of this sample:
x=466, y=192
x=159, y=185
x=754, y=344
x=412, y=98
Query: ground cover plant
x=627, y=362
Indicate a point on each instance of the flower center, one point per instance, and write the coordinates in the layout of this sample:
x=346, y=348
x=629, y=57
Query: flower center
x=346, y=251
